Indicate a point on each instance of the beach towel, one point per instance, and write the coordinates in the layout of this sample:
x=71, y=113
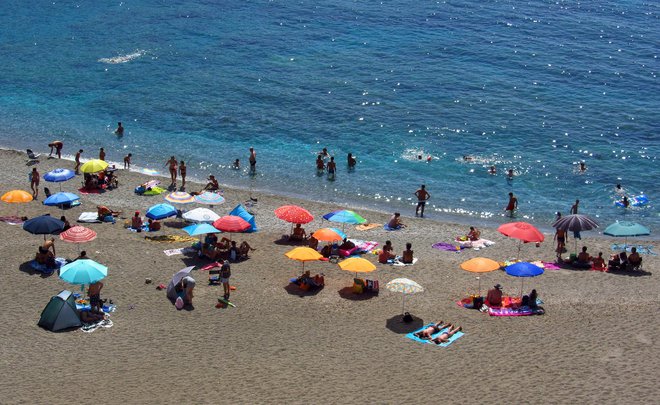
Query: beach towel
x=41, y=268
x=179, y=251
x=145, y=228
x=548, y=265
x=451, y=340
x=89, y=217
x=475, y=244
x=170, y=238
x=397, y=262
x=364, y=246
x=522, y=311
x=91, y=327
x=641, y=249
x=83, y=190
x=388, y=228
x=366, y=227
x=11, y=220
x=449, y=247
x=154, y=191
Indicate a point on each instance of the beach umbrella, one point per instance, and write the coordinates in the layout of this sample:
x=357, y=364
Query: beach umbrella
x=303, y=254
x=329, y=235
x=84, y=271
x=209, y=198
x=357, y=265
x=43, y=225
x=345, y=217
x=16, y=197
x=176, y=279
x=294, y=214
x=78, y=234
x=161, y=211
x=94, y=166
x=200, y=229
x=523, y=269
x=626, y=229
x=180, y=197
x=522, y=231
x=201, y=215
x=61, y=198
x=59, y=176
x=231, y=223
x=480, y=265
x=575, y=223
x=404, y=286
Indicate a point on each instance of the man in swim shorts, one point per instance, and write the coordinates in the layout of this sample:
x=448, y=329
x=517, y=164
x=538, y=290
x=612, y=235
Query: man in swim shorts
x=253, y=160
x=426, y=333
x=422, y=196
x=58, y=148
x=332, y=167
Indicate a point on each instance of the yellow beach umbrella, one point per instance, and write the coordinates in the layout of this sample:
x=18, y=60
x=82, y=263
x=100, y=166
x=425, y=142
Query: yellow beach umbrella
x=480, y=265
x=303, y=254
x=16, y=197
x=94, y=166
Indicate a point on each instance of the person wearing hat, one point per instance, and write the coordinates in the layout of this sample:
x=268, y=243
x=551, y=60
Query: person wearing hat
x=494, y=297
x=136, y=221
x=225, y=273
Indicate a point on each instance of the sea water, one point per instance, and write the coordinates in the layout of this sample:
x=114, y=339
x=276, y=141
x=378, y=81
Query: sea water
x=408, y=87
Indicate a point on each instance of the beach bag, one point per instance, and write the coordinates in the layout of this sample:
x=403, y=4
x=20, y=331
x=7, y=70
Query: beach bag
x=178, y=303
x=477, y=302
x=407, y=318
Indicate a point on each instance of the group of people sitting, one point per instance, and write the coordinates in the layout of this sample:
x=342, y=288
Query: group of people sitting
x=625, y=262
x=386, y=254
x=137, y=223
x=101, y=180
x=448, y=330
x=307, y=281
x=225, y=249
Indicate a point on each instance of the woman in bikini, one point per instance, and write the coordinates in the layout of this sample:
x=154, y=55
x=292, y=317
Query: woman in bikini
x=173, y=167
x=446, y=335
x=182, y=172
x=426, y=333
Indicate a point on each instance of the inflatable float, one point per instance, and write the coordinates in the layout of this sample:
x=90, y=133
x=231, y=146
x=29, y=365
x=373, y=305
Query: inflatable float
x=636, y=201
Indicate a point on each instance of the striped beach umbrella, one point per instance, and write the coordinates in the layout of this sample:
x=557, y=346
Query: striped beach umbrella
x=78, y=234
x=180, y=197
x=209, y=198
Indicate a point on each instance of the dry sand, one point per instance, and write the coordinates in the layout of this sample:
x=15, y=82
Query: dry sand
x=597, y=343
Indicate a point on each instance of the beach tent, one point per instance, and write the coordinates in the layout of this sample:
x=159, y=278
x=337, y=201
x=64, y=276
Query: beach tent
x=60, y=313
x=240, y=211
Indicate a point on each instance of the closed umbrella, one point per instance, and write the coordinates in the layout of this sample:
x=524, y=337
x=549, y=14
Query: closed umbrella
x=94, y=166
x=575, y=223
x=480, y=265
x=43, y=225
x=161, y=211
x=201, y=215
x=59, y=176
x=16, y=197
x=523, y=269
x=303, y=254
x=78, y=234
x=84, y=271
x=522, y=231
x=626, y=229
x=294, y=214
x=404, y=286
x=209, y=198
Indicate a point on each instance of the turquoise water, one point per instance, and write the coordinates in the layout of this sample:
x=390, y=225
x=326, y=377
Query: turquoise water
x=535, y=87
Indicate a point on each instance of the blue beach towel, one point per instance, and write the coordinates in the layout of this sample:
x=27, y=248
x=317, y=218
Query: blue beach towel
x=412, y=336
x=643, y=250
x=388, y=228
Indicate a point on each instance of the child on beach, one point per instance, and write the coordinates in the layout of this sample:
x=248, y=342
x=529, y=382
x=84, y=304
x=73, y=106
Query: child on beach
x=225, y=273
x=127, y=161
x=102, y=154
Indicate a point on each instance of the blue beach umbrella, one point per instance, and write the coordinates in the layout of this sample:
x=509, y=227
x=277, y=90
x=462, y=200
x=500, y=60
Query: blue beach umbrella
x=59, y=175
x=200, y=229
x=43, y=225
x=523, y=269
x=160, y=211
x=61, y=198
x=344, y=217
x=84, y=271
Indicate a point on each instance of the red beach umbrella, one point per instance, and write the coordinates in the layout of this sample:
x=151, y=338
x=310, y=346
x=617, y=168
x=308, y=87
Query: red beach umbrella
x=294, y=214
x=522, y=231
x=231, y=223
x=78, y=234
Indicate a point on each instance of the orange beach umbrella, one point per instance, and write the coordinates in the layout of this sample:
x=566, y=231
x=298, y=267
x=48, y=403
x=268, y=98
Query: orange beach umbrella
x=16, y=197
x=480, y=265
x=303, y=254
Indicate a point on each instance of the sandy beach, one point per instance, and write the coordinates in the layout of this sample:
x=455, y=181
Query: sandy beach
x=596, y=343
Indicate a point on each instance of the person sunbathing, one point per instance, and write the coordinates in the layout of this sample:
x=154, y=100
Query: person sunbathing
x=212, y=185
x=634, y=260
x=474, y=234
x=91, y=317
x=298, y=233
x=395, y=221
x=446, y=335
x=429, y=331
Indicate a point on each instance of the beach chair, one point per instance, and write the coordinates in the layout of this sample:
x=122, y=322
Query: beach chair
x=214, y=276
x=32, y=158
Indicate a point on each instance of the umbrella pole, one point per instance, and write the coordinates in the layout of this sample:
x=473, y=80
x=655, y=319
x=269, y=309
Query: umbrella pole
x=403, y=304
x=522, y=282
x=479, y=278
x=519, y=246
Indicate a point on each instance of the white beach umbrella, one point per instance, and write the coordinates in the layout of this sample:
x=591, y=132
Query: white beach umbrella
x=201, y=215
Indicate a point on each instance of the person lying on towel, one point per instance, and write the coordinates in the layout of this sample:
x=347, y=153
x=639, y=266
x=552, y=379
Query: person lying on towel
x=446, y=335
x=426, y=333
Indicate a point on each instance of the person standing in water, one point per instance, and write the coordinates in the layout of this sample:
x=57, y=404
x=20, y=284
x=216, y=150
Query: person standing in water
x=102, y=154
x=351, y=161
x=182, y=172
x=57, y=145
x=127, y=161
x=332, y=168
x=512, y=205
x=120, y=130
x=422, y=197
x=253, y=160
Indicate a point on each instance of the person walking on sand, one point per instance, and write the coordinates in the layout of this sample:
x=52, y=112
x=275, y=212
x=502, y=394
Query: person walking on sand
x=127, y=161
x=77, y=168
x=34, y=182
x=182, y=172
x=102, y=154
x=512, y=206
x=172, y=164
x=57, y=145
x=253, y=160
x=422, y=197
x=120, y=130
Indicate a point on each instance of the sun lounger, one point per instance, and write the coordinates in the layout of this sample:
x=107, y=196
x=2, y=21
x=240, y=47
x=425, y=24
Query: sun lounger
x=32, y=157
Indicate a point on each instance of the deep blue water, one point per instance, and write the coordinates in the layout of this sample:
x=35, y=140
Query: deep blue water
x=535, y=87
